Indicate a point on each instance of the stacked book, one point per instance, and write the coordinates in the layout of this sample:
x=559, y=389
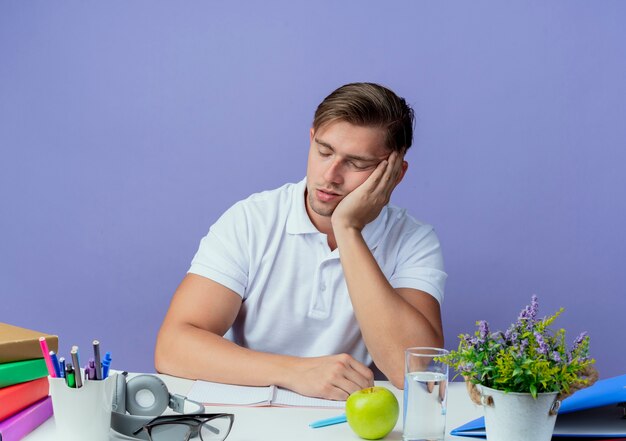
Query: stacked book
x=24, y=400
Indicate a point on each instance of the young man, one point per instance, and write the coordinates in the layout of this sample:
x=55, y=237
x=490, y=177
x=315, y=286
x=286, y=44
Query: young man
x=304, y=286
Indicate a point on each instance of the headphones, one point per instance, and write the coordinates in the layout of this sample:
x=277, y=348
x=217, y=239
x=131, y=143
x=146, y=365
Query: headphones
x=134, y=397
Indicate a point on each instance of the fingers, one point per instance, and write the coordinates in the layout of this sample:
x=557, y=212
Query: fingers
x=385, y=177
x=365, y=374
x=352, y=376
x=392, y=171
x=340, y=375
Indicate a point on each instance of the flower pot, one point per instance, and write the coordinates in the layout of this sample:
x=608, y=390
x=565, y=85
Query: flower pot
x=518, y=416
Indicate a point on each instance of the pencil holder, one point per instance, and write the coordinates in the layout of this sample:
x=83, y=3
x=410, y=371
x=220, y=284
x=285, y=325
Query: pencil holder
x=84, y=413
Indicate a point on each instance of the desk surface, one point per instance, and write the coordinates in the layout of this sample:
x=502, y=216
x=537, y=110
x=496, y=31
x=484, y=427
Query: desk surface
x=279, y=423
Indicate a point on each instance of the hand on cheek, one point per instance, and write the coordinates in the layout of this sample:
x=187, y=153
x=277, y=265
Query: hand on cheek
x=365, y=202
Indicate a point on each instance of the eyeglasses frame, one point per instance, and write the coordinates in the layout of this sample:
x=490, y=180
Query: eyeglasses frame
x=186, y=419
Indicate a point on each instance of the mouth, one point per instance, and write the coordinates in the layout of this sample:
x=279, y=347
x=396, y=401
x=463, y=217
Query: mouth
x=326, y=195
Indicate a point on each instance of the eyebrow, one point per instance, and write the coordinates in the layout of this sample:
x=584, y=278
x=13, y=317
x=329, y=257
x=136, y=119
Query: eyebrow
x=351, y=157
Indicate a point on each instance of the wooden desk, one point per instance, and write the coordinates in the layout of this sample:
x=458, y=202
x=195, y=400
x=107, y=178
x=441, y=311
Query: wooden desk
x=278, y=423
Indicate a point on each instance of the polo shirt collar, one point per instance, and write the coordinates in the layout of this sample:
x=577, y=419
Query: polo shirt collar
x=298, y=221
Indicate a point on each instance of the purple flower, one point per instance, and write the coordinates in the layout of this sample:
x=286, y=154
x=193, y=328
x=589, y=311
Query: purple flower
x=534, y=306
x=556, y=356
x=529, y=314
x=467, y=367
x=507, y=334
x=579, y=340
x=578, y=345
x=522, y=347
x=483, y=329
x=543, y=348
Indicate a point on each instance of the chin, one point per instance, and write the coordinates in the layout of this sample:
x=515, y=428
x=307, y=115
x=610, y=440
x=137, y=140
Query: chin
x=322, y=210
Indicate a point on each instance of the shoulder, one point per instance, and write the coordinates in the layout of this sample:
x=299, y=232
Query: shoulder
x=263, y=208
x=402, y=224
x=272, y=198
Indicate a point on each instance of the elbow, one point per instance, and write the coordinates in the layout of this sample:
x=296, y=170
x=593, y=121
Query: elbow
x=159, y=362
x=159, y=359
x=396, y=376
x=397, y=381
x=161, y=350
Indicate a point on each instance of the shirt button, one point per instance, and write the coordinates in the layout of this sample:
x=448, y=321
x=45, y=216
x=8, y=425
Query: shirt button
x=323, y=287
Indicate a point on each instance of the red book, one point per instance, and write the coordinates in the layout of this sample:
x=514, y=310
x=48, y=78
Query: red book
x=20, y=396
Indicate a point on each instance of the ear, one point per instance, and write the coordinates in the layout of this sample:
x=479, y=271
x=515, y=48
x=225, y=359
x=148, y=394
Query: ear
x=405, y=166
x=311, y=134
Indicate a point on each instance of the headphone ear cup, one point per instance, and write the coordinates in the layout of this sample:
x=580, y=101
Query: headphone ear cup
x=155, y=386
x=119, y=396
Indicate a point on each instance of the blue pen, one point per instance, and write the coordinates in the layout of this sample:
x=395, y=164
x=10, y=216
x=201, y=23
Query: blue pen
x=55, y=364
x=62, y=366
x=106, y=365
x=328, y=421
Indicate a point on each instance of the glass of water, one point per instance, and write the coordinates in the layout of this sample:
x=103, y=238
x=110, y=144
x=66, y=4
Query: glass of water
x=425, y=395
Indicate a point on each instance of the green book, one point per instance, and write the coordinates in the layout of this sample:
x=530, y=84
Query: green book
x=21, y=371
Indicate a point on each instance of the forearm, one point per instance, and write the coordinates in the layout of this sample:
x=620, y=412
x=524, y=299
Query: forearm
x=388, y=323
x=187, y=351
x=192, y=352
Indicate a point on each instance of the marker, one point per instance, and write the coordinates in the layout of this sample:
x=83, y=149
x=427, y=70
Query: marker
x=77, y=377
x=328, y=421
x=96, y=353
x=69, y=376
x=55, y=364
x=106, y=365
x=91, y=369
x=62, y=366
x=46, y=356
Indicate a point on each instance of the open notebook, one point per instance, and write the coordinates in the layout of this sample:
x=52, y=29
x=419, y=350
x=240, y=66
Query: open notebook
x=230, y=395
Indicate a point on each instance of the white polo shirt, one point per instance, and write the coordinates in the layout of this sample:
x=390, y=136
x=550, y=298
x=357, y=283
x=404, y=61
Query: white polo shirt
x=295, y=298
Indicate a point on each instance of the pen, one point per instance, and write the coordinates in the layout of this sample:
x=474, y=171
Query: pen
x=62, y=366
x=106, y=365
x=96, y=353
x=46, y=356
x=328, y=421
x=55, y=364
x=77, y=377
x=69, y=375
x=75, y=348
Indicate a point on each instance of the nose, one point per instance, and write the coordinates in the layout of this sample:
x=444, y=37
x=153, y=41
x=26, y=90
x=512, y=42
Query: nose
x=334, y=172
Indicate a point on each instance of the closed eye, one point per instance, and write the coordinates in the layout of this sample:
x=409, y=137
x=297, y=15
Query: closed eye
x=359, y=166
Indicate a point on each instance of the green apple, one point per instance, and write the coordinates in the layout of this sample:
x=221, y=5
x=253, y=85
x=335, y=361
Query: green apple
x=372, y=412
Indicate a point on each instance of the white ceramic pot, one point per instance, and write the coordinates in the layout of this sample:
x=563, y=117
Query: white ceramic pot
x=518, y=416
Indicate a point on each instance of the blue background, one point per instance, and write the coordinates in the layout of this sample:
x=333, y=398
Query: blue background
x=128, y=127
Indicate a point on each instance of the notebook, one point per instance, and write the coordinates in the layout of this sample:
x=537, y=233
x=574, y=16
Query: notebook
x=210, y=393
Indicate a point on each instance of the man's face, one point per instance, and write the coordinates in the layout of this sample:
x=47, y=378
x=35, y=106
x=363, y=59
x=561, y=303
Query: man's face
x=342, y=156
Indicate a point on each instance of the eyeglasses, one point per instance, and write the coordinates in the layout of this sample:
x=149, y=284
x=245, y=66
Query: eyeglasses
x=203, y=426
